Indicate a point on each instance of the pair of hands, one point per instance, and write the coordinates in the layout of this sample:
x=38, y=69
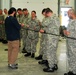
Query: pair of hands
x=29, y=27
x=66, y=32
x=41, y=31
x=22, y=25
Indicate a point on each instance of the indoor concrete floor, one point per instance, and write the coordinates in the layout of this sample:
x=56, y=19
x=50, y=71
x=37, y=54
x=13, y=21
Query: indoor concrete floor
x=30, y=66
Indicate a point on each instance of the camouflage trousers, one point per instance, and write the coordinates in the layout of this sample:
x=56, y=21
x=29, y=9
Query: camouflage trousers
x=71, y=54
x=43, y=47
x=24, y=36
x=44, y=57
x=51, y=52
x=31, y=45
x=2, y=31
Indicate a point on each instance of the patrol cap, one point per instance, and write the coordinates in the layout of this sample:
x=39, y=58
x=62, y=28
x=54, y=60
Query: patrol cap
x=48, y=10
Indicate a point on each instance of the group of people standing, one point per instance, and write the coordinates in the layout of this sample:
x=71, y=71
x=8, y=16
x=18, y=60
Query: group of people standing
x=30, y=35
x=2, y=25
x=27, y=27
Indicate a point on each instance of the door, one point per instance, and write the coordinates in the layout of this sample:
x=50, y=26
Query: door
x=64, y=16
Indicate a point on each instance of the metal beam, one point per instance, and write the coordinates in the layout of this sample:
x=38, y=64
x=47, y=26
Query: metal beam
x=58, y=7
x=75, y=5
x=0, y=3
x=10, y=3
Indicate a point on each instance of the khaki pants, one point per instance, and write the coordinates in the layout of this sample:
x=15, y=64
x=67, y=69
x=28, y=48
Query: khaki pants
x=13, y=49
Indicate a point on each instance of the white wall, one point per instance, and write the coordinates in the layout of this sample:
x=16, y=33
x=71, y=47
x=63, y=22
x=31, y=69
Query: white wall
x=37, y=5
x=5, y=4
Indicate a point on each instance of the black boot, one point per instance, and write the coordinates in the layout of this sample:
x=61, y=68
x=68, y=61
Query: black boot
x=4, y=42
x=1, y=40
x=69, y=73
x=6, y=49
x=23, y=50
x=28, y=54
x=48, y=69
x=43, y=62
x=32, y=55
x=39, y=57
x=55, y=67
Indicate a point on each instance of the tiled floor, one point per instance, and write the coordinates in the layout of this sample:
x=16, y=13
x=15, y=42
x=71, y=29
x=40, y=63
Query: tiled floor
x=30, y=66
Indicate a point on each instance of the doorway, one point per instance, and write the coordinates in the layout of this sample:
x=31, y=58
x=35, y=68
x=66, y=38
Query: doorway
x=64, y=16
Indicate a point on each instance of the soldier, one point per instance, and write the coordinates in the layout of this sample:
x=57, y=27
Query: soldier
x=42, y=43
x=5, y=13
x=24, y=22
x=33, y=37
x=20, y=19
x=41, y=40
x=1, y=25
x=4, y=34
x=71, y=43
x=20, y=15
x=51, y=25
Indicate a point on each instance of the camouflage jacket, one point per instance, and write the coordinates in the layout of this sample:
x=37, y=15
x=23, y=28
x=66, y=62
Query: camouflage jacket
x=20, y=18
x=51, y=25
x=34, y=24
x=72, y=28
x=1, y=19
x=25, y=20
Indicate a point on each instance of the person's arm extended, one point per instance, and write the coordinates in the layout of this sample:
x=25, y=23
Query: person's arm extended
x=15, y=23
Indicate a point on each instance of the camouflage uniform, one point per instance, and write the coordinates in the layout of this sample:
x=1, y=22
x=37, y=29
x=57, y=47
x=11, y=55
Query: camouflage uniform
x=51, y=25
x=33, y=37
x=20, y=19
x=5, y=15
x=42, y=42
x=2, y=27
x=71, y=46
x=24, y=31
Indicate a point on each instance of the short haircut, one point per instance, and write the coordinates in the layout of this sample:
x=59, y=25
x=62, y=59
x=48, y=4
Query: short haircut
x=43, y=10
x=48, y=10
x=5, y=9
x=34, y=11
x=72, y=11
x=11, y=10
x=25, y=9
x=19, y=9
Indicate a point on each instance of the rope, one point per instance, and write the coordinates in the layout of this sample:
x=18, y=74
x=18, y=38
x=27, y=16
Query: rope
x=52, y=34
